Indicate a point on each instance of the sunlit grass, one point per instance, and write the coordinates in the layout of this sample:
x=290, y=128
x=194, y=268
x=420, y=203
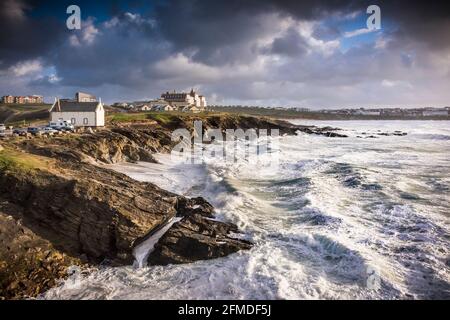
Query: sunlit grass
x=13, y=160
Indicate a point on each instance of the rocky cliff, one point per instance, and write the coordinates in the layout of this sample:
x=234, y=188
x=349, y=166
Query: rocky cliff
x=59, y=206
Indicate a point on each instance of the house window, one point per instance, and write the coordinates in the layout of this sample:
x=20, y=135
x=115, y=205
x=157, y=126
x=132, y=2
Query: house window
x=85, y=121
x=73, y=121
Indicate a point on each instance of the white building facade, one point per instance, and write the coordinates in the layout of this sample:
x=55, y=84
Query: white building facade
x=181, y=100
x=80, y=114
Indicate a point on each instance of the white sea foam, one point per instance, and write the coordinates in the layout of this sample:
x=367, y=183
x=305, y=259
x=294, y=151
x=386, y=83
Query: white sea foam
x=333, y=214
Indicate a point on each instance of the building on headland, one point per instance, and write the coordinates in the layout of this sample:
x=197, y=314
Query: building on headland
x=182, y=100
x=163, y=107
x=79, y=113
x=8, y=99
x=34, y=99
x=85, y=97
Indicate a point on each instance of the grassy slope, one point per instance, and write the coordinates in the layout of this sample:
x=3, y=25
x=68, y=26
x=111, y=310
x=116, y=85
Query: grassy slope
x=160, y=117
x=24, y=115
x=13, y=160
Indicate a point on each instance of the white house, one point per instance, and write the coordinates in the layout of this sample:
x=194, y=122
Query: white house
x=163, y=107
x=193, y=109
x=80, y=114
x=145, y=107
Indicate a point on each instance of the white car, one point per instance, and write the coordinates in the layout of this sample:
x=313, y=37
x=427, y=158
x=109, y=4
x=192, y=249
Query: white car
x=62, y=125
x=2, y=127
x=50, y=131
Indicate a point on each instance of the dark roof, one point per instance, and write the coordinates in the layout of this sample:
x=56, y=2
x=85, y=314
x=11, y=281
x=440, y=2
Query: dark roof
x=74, y=106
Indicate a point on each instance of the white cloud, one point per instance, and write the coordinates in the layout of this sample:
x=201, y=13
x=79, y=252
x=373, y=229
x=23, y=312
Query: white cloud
x=396, y=83
x=88, y=34
x=357, y=32
x=111, y=23
x=26, y=68
x=74, y=42
x=53, y=78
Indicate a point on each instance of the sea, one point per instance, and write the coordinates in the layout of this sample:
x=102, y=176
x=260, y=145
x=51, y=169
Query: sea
x=334, y=218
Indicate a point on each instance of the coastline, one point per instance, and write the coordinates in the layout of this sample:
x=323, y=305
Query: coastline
x=82, y=214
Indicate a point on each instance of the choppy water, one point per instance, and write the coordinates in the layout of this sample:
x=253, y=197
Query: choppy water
x=340, y=219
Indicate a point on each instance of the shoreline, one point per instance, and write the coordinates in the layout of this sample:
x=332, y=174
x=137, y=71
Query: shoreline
x=87, y=215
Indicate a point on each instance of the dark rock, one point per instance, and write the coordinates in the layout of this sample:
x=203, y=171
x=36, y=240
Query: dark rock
x=89, y=211
x=196, y=238
x=188, y=207
x=333, y=134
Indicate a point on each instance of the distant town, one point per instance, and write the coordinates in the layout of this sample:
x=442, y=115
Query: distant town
x=34, y=99
x=169, y=101
x=192, y=101
x=339, y=114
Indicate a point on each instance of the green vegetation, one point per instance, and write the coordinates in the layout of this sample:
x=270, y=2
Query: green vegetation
x=27, y=107
x=164, y=117
x=127, y=117
x=24, y=115
x=12, y=160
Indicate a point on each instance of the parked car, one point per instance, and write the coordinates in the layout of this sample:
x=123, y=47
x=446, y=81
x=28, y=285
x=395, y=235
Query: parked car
x=62, y=125
x=35, y=130
x=50, y=131
x=2, y=127
x=20, y=131
x=2, y=134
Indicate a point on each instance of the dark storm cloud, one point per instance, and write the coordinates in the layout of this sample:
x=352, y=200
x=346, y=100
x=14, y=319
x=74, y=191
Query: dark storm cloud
x=213, y=27
x=424, y=21
x=291, y=44
x=23, y=38
x=229, y=48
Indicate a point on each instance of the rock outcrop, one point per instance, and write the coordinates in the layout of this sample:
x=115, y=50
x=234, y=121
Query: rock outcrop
x=29, y=263
x=194, y=238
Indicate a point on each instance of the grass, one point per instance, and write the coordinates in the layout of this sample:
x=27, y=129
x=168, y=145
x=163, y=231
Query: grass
x=163, y=117
x=27, y=107
x=127, y=117
x=13, y=160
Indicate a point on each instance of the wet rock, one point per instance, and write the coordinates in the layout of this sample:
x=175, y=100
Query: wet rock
x=194, y=238
x=333, y=135
x=395, y=133
x=188, y=207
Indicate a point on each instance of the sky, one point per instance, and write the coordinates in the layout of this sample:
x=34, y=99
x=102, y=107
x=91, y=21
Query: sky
x=290, y=53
